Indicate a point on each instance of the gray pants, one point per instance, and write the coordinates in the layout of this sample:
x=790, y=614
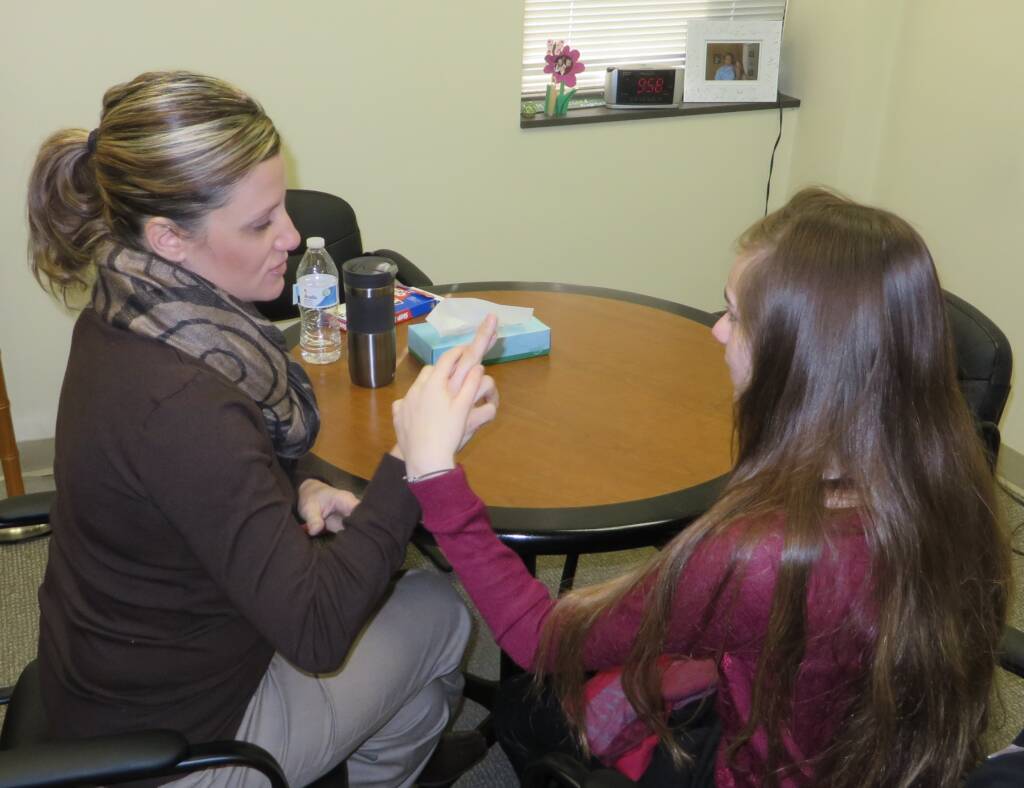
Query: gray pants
x=383, y=711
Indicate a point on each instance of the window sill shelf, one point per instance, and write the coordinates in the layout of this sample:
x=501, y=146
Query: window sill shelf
x=605, y=115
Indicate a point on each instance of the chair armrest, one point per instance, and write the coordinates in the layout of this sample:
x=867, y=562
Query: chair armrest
x=609, y=778
x=1011, y=651
x=991, y=438
x=568, y=772
x=564, y=769
x=234, y=753
x=408, y=273
x=24, y=517
x=93, y=761
x=127, y=756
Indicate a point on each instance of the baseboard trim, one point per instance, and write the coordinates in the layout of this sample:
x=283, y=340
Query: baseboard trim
x=1011, y=466
x=36, y=458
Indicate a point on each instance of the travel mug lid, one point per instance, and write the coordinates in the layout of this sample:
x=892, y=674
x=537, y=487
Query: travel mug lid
x=369, y=271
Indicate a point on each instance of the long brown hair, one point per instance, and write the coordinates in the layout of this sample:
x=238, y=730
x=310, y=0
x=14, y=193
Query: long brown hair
x=169, y=143
x=852, y=372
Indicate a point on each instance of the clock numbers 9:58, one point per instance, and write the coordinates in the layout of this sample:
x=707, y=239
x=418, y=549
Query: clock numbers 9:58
x=650, y=85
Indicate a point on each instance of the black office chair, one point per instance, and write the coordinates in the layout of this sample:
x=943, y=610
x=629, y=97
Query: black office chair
x=317, y=213
x=28, y=759
x=557, y=770
x=984, y=365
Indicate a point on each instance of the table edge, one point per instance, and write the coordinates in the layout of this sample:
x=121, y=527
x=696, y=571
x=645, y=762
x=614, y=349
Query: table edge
x=697, y=315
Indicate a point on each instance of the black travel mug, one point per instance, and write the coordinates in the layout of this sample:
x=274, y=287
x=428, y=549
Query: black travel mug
x=370, y=315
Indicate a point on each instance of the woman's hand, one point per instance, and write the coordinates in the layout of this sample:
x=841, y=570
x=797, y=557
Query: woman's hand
x=446, y=405
x=323, y=506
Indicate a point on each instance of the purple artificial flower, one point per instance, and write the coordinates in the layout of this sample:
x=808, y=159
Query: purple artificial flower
x=564, y=66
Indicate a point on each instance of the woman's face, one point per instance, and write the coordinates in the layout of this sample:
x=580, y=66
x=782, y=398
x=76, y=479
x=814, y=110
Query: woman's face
x=243, y=246
x=728, y=330
x=728, y=59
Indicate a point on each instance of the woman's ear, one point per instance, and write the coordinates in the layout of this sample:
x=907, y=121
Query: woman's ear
x=165, y=238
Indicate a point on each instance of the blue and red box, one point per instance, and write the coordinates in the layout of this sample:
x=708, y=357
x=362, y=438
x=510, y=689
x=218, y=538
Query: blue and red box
x=410, y=302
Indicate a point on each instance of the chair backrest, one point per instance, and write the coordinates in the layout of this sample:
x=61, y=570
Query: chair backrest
x=9, y=460
x=984, y=359
x=25, y=722
x=321, y=214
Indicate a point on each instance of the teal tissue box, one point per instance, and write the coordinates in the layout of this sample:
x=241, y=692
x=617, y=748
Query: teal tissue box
x=523, y=340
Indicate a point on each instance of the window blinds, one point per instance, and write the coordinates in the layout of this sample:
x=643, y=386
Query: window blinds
x=621, y=32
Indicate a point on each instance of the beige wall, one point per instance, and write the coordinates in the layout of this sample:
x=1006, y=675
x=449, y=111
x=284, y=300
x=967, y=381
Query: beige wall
x=413, y=117
x=952, y=158
x=918, y=105
x=837, y=57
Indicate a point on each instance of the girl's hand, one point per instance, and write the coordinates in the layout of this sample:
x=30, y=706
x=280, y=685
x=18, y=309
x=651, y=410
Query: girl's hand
x=472, y=354
x=446, y=405
x=486, y=400
x=323, y=506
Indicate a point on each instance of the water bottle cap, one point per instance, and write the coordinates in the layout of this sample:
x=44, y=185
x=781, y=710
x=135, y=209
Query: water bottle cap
x=368, y=271
x=316, y=242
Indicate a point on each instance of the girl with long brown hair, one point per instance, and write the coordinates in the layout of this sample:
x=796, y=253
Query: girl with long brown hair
x=846, y=593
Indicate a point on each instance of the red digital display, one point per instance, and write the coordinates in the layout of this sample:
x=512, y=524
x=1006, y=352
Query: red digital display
x=645, y=87
x=650, y=85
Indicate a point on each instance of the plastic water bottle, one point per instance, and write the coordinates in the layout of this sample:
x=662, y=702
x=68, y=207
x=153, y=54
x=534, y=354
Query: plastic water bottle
x=316, y=293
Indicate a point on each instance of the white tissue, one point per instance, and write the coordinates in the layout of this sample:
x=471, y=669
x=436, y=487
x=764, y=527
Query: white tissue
x=462, y=315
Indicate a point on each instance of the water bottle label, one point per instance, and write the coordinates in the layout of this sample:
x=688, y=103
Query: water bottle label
x=316, y=291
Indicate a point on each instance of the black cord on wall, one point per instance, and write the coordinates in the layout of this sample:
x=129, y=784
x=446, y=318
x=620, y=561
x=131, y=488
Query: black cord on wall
x=771, y=164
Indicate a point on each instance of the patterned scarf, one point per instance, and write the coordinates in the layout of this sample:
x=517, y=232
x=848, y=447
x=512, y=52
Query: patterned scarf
x=149, y=296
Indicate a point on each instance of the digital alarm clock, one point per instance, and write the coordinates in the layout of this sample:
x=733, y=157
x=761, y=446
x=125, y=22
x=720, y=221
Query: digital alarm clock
x=642, y=87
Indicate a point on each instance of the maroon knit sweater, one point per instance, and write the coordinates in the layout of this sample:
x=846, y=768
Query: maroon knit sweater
x=839, y=631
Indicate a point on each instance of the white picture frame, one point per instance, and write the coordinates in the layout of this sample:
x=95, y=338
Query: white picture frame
x=749, y=49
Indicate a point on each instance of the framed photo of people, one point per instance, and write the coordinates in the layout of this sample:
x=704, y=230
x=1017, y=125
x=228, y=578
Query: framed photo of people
x=732, y=61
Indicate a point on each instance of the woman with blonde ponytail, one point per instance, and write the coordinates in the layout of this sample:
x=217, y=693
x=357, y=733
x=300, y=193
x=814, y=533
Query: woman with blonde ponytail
x=182, y=591
x=842, y=601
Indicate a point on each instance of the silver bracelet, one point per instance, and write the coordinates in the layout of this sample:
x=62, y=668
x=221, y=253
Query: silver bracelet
x=431, y=475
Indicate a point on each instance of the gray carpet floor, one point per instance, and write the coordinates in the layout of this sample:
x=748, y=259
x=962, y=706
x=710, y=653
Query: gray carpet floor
x=21, y=568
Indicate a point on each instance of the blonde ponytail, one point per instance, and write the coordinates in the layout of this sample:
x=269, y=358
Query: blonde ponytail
x=64, y=212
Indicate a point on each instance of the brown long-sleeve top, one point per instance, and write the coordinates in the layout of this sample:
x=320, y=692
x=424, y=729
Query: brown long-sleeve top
x=177, y=566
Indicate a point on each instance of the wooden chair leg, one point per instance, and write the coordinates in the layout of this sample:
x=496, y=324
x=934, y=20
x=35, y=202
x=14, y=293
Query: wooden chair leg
x=8, y=446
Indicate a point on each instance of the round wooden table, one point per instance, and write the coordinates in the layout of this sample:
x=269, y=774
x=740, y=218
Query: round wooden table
x=617, y=439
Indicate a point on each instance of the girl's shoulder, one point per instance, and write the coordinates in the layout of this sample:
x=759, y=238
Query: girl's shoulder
x=758, y=543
